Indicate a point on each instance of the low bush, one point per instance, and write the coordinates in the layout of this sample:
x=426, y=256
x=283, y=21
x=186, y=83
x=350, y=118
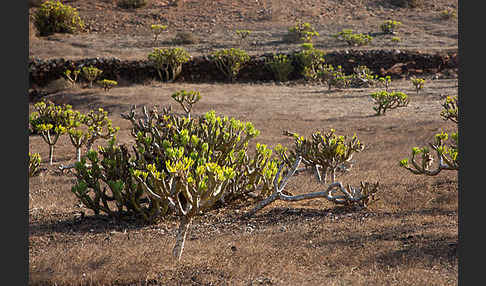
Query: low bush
x=418, y=83
x=353, y=39
x=302, y=32
x=180, y=165
x=385, y=100
x=448, y=14
x=309, y=60
x=230, y=61
x=242, y=36
x=390, y=26
x=50, y=121
x=108, y=84
x=325, y=154
x=169, y=61
x=91, y=73
x=54, y=17
x=446, y=148
x=131, y=4
x=34, y=164
x=157, y=29
x=334, y=77
x=281, y=66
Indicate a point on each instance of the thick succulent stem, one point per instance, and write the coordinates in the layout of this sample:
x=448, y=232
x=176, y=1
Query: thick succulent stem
x=51, y=153
x=78, y=154
x=350, y=195
x=181, y=237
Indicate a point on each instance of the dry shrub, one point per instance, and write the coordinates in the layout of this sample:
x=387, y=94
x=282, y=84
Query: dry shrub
x=408, y=3
x=131, y=4
x=185, y=38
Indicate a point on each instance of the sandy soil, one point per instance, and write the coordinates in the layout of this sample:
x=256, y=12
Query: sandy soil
x=408, y=237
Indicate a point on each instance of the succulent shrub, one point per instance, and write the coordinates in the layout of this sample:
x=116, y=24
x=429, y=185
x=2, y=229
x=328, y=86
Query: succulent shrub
x=91, y=73
x=108, y=84
x=309, y=61
x=325, y=153
x=157, y=29
x=50, y=121
x=384, y=81
x=418, y=83
x=362, y=77
x=446, y=147
x=169, y=61
x=447, y=153
x=180, y=165
x=390, y=26
x=54, y=17
x=85, y=129
x=34, y=164
x=230, y=61
x=281, y=66
x=334, y=77
x=242, y=35
x=448, y=14
x=72, y=75
x=385, y=100
x=353, y=39
x=131, y=4
x=450, y=111
x=301, y=32
x=186, y=99
x=396, y=40
x=106, y=185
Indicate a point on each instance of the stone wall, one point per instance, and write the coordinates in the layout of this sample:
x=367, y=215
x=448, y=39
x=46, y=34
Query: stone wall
x=201, y=69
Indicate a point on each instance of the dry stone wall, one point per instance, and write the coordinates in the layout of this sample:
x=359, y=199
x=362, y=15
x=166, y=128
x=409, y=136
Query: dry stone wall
x=201, y=69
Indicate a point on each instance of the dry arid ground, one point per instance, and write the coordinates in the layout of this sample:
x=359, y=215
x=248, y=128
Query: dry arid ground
x=408, y=237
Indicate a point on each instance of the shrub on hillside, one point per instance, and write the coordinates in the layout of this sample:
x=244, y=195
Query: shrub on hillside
x=55, y=17
x=302, y=32
x=131, y=4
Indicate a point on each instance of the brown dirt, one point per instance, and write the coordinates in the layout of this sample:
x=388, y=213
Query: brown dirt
x=113, y=31
x=409, y=237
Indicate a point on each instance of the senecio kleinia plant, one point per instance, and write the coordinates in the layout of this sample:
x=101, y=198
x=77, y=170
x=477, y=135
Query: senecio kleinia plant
x=309, y=60
x=50, y=121
x=301, y=32
x=180, y=165
x=91, y=73
x=230, y=61
x=353, y=39
x=325, y=154
x=157, y=29
x=333, y=76
x=55, y=17
x=34, y=164
x=242, y=35
x=107, y=84
x=418, y=83
x=186, y=99
x=281, y=66
x=72, y=75
x=450, y=111
x=89, y=127
x=389, y=26
x=169, y=61
x=447, y=154
x=385, y=100
x=385, y=81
